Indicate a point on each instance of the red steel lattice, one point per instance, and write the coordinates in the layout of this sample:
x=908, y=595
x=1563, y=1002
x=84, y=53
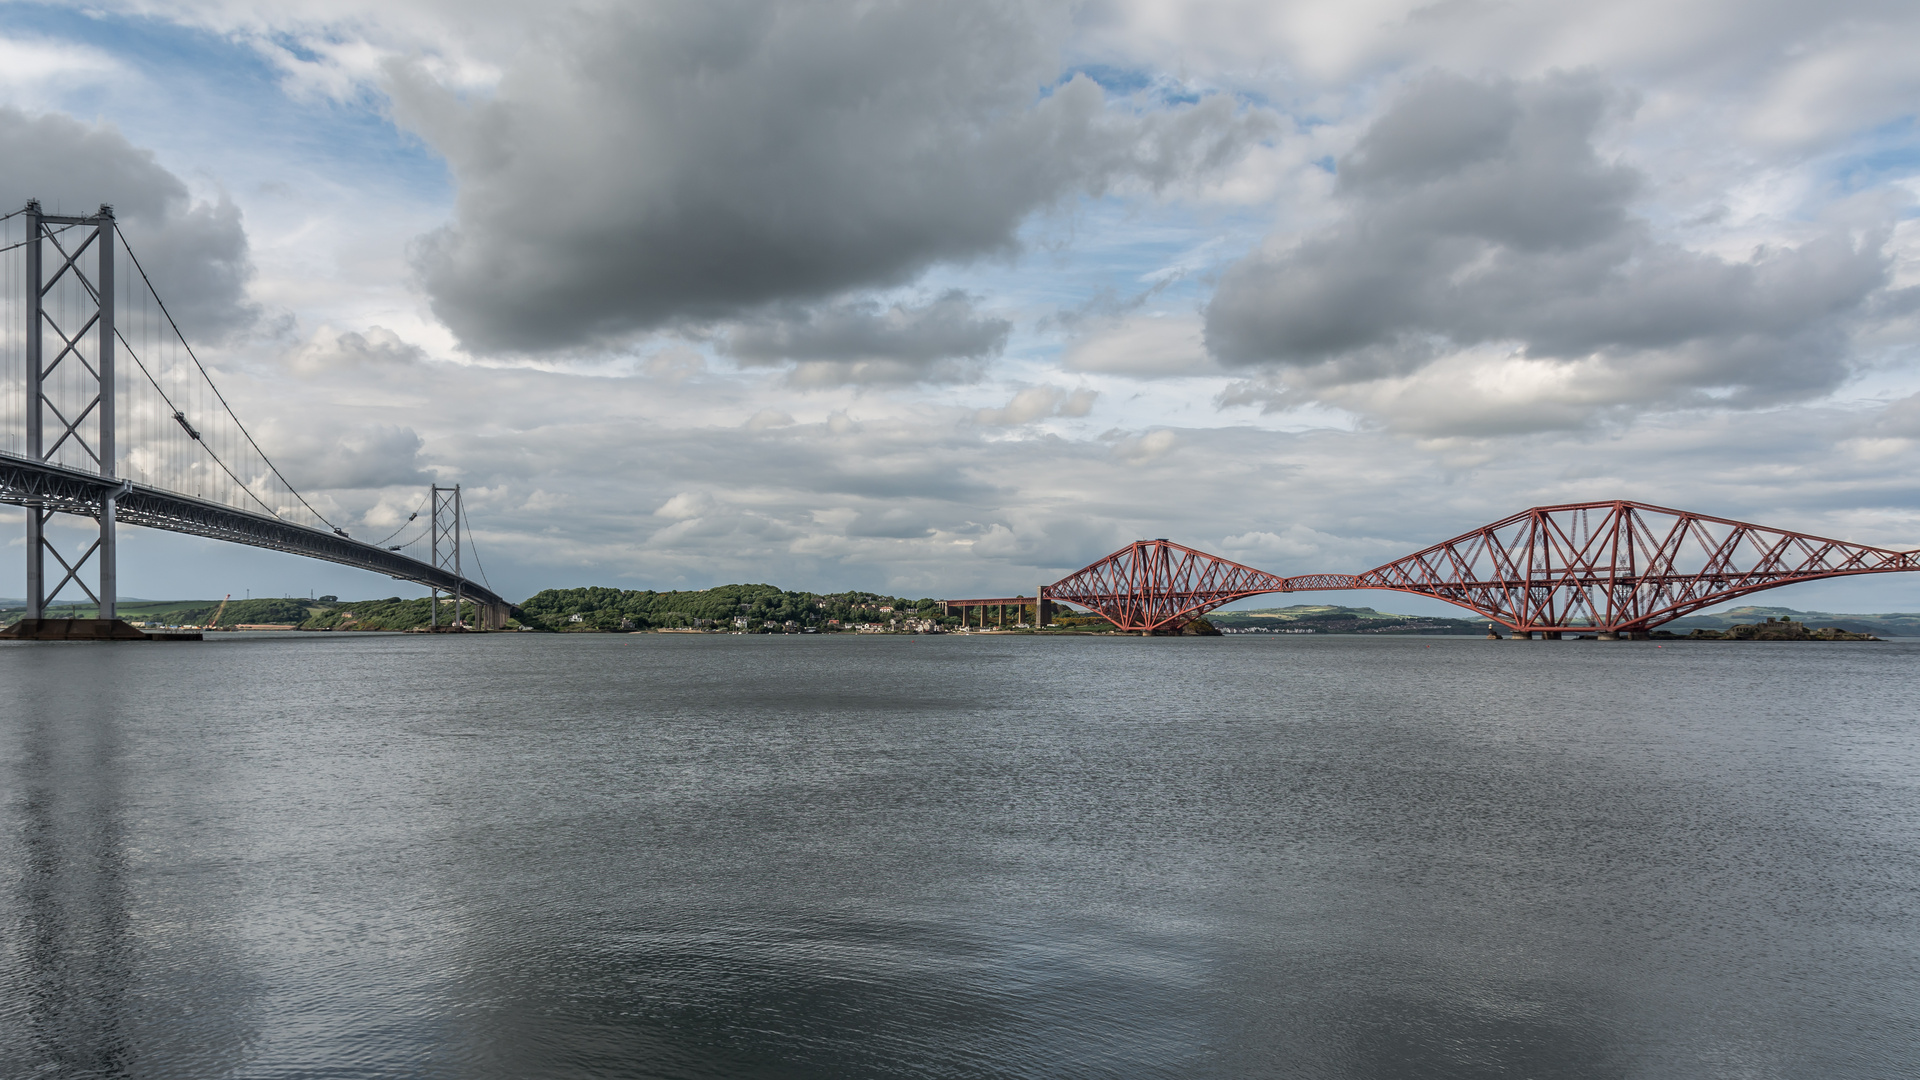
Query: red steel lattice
x=1160, y=585
x=1601, y=566
x=1618, y=566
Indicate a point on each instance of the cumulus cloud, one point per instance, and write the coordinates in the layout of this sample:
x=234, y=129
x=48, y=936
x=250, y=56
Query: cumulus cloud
x=1477, y=215
x=359, y=457
x=861, y=343
x=674, y=364
x=697, y=159
x=374, y=347
x=1144, y=346
x=1142, y=449
x=1038, y=403
x=24, y=64
x=196, y=252
x=768, y=418
x=686, y=505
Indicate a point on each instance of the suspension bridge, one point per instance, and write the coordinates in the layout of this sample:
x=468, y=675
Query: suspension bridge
x=107, y=414
x=1612, y=569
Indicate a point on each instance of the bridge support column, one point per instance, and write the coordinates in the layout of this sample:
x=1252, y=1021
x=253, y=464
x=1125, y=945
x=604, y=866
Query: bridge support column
x=109, y=502
x=1606, y=635
x=91, y=429
x=109, y=559
x=1520, y=635
x=36, y=562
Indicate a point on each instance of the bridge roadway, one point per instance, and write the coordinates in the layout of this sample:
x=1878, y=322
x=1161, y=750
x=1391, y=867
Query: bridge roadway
x=24, y=482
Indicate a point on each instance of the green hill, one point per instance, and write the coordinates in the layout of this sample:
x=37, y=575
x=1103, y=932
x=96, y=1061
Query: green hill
x=392, y=613
x=596, y=608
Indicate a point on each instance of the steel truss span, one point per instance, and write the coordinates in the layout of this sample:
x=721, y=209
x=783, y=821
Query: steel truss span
x=72, y=491
x=1154, y=585
x=1607, y=567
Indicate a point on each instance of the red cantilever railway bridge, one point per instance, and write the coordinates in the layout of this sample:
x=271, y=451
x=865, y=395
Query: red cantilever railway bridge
x=1615, y=568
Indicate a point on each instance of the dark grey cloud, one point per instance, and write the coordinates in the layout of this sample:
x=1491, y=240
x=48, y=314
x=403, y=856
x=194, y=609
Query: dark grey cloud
x=861, y=342
x=697, y=159
x=1479, y=213
x=196, y=252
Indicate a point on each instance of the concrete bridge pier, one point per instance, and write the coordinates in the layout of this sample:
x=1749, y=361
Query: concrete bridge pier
x=966, y=608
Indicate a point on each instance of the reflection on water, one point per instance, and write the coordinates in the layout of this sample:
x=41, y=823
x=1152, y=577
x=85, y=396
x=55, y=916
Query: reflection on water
x=519, y=856
x=74, y=943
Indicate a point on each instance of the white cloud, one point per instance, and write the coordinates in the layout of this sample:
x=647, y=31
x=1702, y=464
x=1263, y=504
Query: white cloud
x=1144, y=346
x=32, y=69
x=1038, y=403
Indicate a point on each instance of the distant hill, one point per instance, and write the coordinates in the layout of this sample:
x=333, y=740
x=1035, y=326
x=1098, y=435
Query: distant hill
x=1332, y=619
x=1891, y=624
x=392, y=613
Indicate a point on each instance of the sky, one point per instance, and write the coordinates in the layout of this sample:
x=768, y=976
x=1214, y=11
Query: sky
x=947, y=299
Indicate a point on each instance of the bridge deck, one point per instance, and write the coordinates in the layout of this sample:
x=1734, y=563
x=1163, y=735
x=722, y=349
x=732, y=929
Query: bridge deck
x=24, y=482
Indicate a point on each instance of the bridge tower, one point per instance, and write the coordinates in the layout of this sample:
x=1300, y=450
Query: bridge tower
x=70, y=388
x=445, y=531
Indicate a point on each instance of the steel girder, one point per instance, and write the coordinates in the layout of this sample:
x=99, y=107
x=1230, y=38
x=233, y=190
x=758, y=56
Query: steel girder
x=28, y=483
x=1154, y=585
x=1618, y=566
x=1613, y=567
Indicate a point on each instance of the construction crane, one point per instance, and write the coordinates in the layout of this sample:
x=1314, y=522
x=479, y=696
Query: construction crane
x=214, y=623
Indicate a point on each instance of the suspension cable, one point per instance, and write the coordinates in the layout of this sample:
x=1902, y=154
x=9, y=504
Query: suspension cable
x=216, y=391
x=241, y=484
x=409, y=521
x=410, y=543
x=31, y=239
x=237, y=482
x=476, y=548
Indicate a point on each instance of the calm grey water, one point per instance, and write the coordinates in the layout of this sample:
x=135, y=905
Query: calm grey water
x=529, y=856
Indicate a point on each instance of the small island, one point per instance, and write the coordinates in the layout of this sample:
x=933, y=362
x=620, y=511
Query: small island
x=1782, y=629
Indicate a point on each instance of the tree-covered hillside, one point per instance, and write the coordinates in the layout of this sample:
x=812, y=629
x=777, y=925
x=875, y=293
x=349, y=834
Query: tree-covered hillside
x=597, y=608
